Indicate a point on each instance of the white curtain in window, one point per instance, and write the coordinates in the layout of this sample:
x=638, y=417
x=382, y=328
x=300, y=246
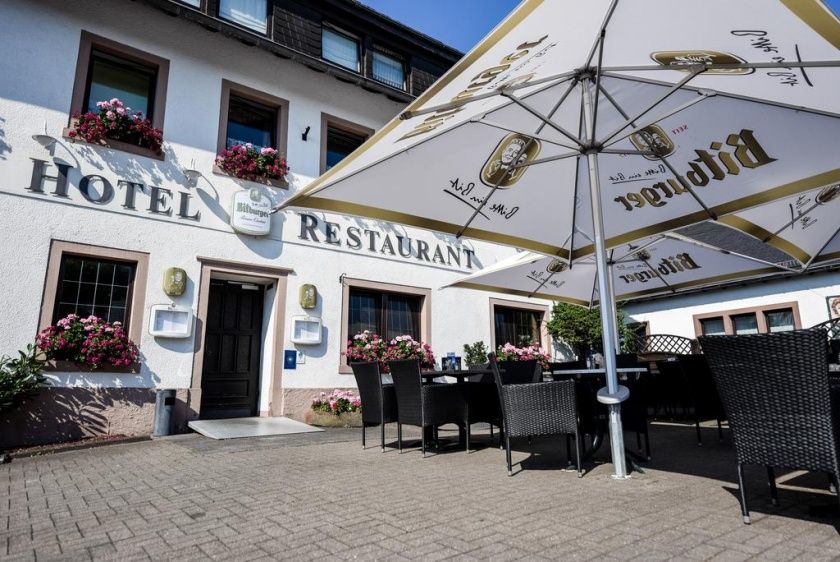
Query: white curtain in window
x=388, y=70
x=340, y=49
x=252, y=14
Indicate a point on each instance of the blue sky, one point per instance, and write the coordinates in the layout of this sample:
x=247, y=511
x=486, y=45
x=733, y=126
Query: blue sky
x=459, y=23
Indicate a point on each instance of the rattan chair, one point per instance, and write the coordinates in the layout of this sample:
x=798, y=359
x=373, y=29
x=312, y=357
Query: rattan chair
x=379, y=403
x=425, y=405
x=701, y=392
x=532, y=409
x=634, y=412
x=776, y=393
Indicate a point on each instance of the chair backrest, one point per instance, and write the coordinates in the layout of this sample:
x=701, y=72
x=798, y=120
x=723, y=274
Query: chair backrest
x=700, y=385
x=626, y=360
x=775, y=391
x=408, y=386
x=497, y=378
x=520, y=372
x=369, y=383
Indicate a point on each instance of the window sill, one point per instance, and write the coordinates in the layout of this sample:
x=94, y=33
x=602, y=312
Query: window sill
x=70, y=367
x=114, y=144
x=278, y=183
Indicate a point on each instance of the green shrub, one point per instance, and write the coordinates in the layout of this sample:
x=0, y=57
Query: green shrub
x=20, y=378
x=476, y=354
x=580, y=327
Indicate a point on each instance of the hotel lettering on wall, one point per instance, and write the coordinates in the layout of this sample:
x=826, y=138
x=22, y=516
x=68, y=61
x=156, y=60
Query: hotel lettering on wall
x=377, y=242
x=99, y=190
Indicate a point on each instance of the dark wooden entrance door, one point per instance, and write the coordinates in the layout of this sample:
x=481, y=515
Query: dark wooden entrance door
x=232, y=345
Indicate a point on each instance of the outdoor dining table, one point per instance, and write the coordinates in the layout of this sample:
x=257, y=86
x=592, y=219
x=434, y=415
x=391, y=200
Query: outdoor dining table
x=597, y=438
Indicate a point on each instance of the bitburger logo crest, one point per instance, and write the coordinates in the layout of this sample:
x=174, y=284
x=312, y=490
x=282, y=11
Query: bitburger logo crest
x=828, y=194
x=556, y=266
x=687, y=59
x=513, y=150
x=653, y=139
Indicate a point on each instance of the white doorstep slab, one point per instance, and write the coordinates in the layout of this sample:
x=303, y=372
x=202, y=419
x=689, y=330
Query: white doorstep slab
x=250, y=427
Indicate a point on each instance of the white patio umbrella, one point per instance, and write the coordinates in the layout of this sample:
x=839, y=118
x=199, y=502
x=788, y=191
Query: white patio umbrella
x=607, y=121
x=805, y=226
x=656, y=265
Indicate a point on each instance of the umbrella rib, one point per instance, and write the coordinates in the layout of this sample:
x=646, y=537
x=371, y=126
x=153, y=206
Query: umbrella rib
x=598, y=81
x=600, y=38
x=452, y=104
x=640, y=248
x=805, y=266
x=558, y=104
x=542, y=117
x=481, y=206
x=726, y=66
x=703, y=96
x=790, y=222
x=671, y=91
x=546, y=159
x=664, y=160
x=751, y=99
x=496, y=125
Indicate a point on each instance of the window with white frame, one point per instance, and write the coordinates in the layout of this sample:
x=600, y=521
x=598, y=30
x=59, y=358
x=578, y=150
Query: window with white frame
x=388, y=70
x=340, y=49
x=252, y=14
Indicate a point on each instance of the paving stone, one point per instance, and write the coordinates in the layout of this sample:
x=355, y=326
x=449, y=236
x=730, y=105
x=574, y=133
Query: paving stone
x=320, y=495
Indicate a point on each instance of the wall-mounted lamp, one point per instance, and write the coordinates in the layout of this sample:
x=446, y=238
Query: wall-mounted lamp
x=191, y=174
x=44, y=139
x=305, y=133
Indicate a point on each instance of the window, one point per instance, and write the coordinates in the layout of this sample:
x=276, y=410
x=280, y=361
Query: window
x=251, y=116
x=712, y=327
x=194, y=3
x=517, y=323
x=250, y=122
x=111, y=76
x=340, y=49
x=339, y=138
x=779, y=320
x=757, y=320
x=94, y=286
x=388, y=70
x=85, y=280
x=107, y=69
x=388, y=310
x=387, y=314
x=252, y=14
x=517, y=326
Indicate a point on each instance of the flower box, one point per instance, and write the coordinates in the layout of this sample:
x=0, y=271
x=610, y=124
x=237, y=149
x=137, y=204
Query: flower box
x=246, y=162
x=113, y=125
x=90, y=344
x=324, y=419
x=281, y=183
x=63, y=366
x=114, y=144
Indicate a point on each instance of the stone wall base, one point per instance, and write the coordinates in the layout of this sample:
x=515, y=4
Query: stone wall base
x=60, y=414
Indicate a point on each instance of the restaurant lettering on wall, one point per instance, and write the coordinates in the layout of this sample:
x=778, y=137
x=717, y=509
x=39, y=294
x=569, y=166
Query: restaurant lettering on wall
x=374, y=241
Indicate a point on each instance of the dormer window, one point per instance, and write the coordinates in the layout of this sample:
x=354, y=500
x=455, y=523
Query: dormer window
x=388, y=70
x=340, y=49
x=252, y=14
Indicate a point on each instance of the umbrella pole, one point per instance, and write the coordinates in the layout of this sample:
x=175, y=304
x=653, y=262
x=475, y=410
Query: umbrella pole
x=608, y=321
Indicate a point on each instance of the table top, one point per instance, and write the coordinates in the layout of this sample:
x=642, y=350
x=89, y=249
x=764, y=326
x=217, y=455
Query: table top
x=597, y=371
x=457, y=374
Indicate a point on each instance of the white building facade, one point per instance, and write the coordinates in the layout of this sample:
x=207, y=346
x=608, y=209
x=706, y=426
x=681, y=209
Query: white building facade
x=72, y=208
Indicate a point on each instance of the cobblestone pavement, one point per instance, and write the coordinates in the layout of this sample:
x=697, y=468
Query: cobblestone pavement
x=321, y=495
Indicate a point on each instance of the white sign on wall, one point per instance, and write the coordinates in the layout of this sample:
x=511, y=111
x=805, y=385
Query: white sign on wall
x=250, y=213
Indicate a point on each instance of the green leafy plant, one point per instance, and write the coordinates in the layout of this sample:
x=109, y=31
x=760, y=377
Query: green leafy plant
x=580, y=327
x=21, y=377
x=476, y=353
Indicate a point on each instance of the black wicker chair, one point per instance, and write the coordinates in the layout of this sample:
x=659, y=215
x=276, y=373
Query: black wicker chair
x=425, y=405
x=379, y=402
x=776, y=393
x=532, y=409
x=701, y=392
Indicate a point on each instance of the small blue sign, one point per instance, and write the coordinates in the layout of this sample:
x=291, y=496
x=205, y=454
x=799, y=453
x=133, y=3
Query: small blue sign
x=290, y=359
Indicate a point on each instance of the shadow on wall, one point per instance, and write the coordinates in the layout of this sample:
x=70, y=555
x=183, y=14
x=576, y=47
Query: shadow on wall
x=69, y=414
x=4, y=146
